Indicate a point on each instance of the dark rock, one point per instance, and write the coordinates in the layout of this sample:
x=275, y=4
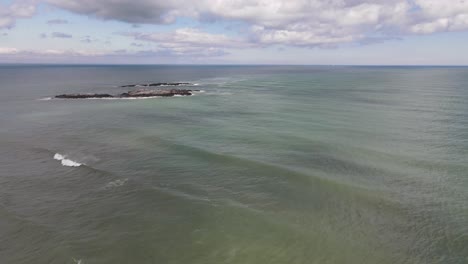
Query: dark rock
x=135, y=93
x=83, y=96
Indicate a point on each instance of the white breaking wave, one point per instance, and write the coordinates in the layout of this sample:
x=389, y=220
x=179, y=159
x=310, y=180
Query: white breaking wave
x=198, y=92
x=66, y=162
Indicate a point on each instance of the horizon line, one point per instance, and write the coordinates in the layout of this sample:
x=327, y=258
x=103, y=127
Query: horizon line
x=226, y=64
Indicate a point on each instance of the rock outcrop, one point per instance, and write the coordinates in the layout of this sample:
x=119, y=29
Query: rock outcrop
x=132, y=94
x=83, y=96
x=155, y=93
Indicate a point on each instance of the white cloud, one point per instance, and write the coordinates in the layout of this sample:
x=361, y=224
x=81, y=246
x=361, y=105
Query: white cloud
x=299, y=22
x=8, y=51
x=441, y=24
x=183, y=35
x=16, y=9
x=190, y=41
x=318, y=37
x=442, y=8
x=440, y=16
x=287, y=22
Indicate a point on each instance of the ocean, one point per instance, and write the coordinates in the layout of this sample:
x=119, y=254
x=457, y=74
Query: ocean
x=266, y=164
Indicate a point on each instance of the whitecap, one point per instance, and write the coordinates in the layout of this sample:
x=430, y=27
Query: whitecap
x=198, y=92
x=66, y=162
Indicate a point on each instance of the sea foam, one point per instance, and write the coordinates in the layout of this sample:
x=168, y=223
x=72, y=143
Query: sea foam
x=116, y=183
x=66, y=162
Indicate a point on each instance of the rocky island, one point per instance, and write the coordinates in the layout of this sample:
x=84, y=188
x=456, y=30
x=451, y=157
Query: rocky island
x=136, y=93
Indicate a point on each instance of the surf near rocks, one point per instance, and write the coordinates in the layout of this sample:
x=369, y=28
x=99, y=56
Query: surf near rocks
x=156, y=93
x=156, y=84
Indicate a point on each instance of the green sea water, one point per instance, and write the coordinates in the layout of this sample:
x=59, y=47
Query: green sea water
x=267, y=164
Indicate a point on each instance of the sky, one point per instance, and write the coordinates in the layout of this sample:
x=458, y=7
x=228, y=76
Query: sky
x=315, y=32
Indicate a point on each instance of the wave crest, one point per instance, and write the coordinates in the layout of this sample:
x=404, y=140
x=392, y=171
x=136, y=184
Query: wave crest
x=66, y=162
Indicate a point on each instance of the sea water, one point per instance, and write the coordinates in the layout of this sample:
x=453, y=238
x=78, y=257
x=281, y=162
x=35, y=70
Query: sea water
x=270, y=164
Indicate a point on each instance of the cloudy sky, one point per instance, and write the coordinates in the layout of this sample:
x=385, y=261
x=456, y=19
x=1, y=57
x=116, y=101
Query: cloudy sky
x=418, y=32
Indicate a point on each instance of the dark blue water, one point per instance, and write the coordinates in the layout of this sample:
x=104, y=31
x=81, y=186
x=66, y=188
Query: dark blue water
x=268, y=164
